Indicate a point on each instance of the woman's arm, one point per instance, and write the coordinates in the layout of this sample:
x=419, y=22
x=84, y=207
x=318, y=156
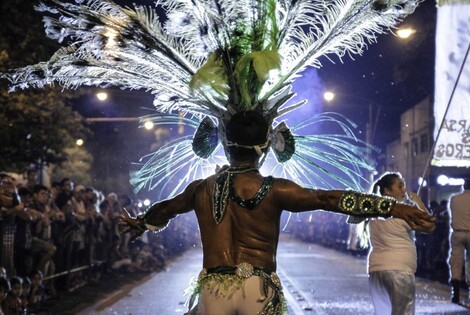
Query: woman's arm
x=414, y=198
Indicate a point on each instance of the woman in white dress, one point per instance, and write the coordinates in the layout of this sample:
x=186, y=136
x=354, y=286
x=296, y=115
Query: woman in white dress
x=392, y=259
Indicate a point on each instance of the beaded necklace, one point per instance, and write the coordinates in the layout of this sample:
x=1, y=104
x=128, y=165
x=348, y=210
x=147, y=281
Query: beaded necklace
x=224, y=188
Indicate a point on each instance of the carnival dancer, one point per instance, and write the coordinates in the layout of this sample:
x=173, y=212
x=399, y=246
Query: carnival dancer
x=239, y=211
x=225, y=67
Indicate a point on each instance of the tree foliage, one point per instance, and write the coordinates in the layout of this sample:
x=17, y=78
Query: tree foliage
x=35, y=125
x=77, y=166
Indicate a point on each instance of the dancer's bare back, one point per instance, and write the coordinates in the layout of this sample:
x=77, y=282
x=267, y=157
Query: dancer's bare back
x=251, y=236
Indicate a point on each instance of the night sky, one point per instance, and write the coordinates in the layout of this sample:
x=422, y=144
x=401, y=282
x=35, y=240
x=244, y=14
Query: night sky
x=393, y=74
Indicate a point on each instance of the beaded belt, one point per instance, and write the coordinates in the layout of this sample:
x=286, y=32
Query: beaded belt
x=236, y=275
x=236, y=270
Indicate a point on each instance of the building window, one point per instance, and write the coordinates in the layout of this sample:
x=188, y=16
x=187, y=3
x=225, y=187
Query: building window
x=414, y=147
x=424, y=145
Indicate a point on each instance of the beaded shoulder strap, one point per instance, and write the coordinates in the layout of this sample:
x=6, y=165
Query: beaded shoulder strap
x=223, y=189
x=258, y=197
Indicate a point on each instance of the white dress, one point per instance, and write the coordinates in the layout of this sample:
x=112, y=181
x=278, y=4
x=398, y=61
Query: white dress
x=392, y=265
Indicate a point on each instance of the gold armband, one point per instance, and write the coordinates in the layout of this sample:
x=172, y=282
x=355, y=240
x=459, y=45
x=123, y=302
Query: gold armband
x=365, y=205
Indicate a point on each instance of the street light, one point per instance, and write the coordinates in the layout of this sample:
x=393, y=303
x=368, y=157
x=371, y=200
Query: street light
x=102, y=96
x=405, y=32
x=328, y=96
x=148, y=125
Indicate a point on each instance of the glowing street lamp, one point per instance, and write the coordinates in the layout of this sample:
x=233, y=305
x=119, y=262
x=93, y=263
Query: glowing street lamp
x=148, y=125
x=328, y=96
x=79, y=142
x=102, y=96
x=405, y=32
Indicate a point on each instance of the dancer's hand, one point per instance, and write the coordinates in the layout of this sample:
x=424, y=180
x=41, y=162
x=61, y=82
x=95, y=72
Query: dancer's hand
x=418, y=220
x=130, y=225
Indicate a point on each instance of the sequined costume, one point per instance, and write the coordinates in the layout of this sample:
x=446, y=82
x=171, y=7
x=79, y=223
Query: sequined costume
x=230, y=289
x=216, y=286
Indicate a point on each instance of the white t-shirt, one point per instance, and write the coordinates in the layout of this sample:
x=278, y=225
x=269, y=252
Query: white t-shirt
x=393, y=246
x=460, y=211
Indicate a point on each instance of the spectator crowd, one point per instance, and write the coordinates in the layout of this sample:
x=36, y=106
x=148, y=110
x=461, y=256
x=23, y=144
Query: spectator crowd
x=56, y=239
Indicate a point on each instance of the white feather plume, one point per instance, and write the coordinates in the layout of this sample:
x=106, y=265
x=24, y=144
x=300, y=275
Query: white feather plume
x=252, y=51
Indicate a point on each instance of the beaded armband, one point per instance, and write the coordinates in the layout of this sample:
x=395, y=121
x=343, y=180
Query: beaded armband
x=359, y=204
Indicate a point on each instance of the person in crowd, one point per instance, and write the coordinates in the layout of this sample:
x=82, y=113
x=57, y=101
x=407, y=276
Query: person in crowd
x=104, y=233
x=114, y=214
x=55, y=190
x=65, y=194
x=12, y=303
x=4, y=289
x=57, y=225
x=239, y=211
x=113, y=200
x=10, y=205
x=31, y=179
x=67, y=237
x=392, y=259
x=158, y=251
x=37, y=295
x=80, y=217
x=25, y=292
x=91, y=201
x=76, y=221
x=118, y=263
x=144, y=260
x=23, y=239
x=459, y=238
x=426, y=247
x=126, y=202
x=441, y=242
x=42, y=245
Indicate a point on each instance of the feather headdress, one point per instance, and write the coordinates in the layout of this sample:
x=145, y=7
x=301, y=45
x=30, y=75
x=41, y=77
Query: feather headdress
x=211, y=59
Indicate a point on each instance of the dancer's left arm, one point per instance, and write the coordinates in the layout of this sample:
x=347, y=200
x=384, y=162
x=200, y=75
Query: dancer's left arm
x=158, y=215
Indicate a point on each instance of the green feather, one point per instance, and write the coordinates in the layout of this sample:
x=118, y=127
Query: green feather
x=256, y=45
x=211, y=76
x=262, y=61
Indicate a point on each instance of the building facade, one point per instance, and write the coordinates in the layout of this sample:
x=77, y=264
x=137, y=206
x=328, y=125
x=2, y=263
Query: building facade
x=410, y=155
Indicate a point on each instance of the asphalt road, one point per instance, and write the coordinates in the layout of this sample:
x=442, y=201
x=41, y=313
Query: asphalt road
x=316, y=280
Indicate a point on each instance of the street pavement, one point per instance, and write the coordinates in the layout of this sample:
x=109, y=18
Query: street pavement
x=316, y=280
